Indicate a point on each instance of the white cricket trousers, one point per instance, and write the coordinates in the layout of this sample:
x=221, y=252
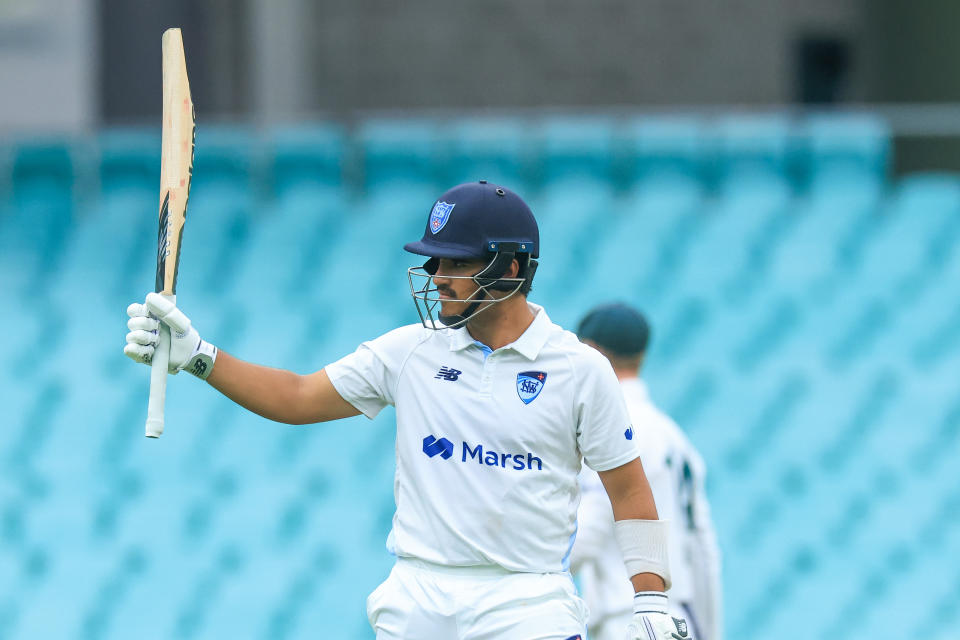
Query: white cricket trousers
x=424, y=601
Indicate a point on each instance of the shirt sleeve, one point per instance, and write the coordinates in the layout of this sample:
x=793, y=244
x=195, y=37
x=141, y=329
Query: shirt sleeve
x=604, y=432
x=367, y=378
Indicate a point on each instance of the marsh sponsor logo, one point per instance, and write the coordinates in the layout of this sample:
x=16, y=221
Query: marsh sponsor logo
x=434, y=446
x=512, y=461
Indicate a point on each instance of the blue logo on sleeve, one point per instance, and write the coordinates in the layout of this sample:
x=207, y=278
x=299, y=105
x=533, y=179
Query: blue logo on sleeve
x=440, y=215
x=432, y=446
x=529, y=385
x=628, y=434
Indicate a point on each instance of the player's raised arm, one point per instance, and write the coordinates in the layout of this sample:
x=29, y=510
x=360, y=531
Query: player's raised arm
x=275, y=394
x=278, y=394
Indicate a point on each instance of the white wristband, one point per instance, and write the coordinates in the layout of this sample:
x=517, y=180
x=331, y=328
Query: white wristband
x=644, y=547
x=650, y=602
x=201, y=362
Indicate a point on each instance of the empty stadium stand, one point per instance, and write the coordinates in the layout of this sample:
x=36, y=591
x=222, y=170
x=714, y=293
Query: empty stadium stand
x=806, y=334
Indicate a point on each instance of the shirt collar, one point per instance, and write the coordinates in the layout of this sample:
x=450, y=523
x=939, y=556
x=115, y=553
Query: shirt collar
x=528, y=344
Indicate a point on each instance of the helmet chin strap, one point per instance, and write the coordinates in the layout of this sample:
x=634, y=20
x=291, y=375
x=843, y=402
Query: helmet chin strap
x=467, y=313
x=488, y=278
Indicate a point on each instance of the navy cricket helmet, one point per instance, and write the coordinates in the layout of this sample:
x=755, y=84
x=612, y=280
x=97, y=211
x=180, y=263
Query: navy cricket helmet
x=476, y=220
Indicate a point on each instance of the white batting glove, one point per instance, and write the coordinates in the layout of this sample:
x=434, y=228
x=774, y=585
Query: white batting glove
x=187, y=351
x=651, y=620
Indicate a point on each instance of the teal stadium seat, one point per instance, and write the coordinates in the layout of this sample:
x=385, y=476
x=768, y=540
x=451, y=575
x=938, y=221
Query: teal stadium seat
x=223, y=207
x=577, y=149
x=665, y=153
x=499, y=150
x=844, y=149
x=33, y=233
x=643, y=242
x=226, y=158
x=130, y=159
x=401, y=151
x=751, y=155
x=114, y=242
x=308, y=157
x=808, y=257
x=897, y=258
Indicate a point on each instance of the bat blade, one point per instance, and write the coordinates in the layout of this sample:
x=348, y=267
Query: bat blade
x=176, y=170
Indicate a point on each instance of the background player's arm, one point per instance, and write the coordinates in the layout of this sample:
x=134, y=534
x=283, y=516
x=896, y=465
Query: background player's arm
x=594, y=523
x=631, y=499
x=278, y=394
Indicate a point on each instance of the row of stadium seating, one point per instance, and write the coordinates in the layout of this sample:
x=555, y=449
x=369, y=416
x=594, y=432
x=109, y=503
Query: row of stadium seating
x=524, y=153
x=807, y=342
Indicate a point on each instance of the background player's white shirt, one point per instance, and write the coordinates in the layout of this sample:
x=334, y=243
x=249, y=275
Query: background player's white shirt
x=676, y=473
x=489, y=448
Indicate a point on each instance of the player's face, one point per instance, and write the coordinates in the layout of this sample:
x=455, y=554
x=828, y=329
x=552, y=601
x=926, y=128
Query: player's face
x=456, y=288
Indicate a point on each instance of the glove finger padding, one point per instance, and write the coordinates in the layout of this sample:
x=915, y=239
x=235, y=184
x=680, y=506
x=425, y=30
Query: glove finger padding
x=136, y=310
x=139, y=352
x=168, y=312
x=142, y=337
x=143, y=323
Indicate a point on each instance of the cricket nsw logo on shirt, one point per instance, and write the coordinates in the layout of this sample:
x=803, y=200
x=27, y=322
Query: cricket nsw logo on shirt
x=529, y=385
x=440, y=215
x=433, y=446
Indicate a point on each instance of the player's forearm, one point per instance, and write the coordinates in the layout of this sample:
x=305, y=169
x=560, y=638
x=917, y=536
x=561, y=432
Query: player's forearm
x=275, y=394
x=629, y=492
x=632, y=500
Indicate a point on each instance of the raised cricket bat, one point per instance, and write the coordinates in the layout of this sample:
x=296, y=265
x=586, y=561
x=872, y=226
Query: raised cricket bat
x=176, y=168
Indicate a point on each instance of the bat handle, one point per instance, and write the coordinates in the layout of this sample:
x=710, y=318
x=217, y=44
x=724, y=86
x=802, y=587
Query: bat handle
x=158, y=382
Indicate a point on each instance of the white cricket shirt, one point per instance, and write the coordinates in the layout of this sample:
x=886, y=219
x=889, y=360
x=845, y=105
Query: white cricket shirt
x=489, y=446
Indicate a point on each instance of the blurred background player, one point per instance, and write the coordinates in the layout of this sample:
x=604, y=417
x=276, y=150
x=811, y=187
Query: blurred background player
x=496, y=406
x=676, y=473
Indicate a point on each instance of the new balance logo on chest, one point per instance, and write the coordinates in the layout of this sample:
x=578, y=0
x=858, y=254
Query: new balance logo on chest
x=447, y=373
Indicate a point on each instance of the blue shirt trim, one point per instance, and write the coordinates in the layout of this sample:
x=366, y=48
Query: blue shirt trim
x=484, y=348
x=565, y=563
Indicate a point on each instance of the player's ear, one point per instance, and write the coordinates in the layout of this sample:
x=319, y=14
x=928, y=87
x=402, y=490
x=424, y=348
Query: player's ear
x=513, y=269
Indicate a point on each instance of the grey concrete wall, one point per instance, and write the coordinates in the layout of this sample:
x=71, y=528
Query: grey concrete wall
x=384, y=53
x=71, y=64
x=48, y=53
